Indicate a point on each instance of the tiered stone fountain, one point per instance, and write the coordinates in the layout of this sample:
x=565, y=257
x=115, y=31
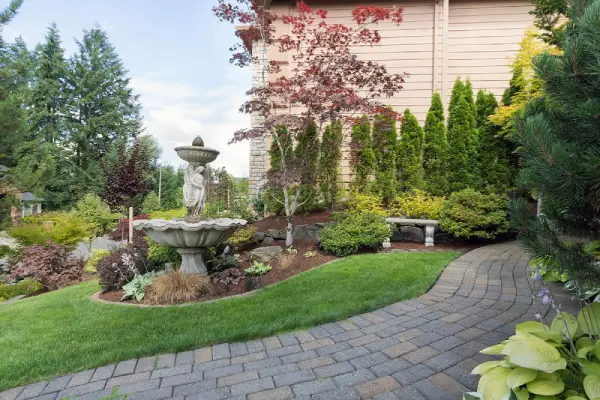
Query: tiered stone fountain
x=192, y=235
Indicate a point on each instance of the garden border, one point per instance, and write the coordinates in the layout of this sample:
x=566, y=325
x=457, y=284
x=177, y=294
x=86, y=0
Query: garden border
x=96, y=296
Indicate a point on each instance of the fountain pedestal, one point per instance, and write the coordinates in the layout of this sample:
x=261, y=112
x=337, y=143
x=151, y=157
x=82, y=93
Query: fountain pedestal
x=192, y=261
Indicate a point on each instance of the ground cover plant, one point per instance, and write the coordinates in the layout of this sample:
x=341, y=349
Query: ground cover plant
x=68, y=332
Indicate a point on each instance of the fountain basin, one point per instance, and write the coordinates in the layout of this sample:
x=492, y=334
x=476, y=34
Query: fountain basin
x=197, y=155
x=190, y=239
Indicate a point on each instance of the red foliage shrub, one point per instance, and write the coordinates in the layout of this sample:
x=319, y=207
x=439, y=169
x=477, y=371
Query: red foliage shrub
x=121, y=265
x=121, y=232
x=51, y=264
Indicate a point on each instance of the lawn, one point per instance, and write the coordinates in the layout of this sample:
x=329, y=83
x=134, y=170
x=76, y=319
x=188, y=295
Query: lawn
x=64, y=331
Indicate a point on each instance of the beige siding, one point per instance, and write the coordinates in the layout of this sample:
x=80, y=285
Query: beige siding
x=479, y=39
x=482, y=37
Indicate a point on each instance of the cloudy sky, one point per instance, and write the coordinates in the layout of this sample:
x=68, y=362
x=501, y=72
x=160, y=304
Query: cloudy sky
x=177, y=56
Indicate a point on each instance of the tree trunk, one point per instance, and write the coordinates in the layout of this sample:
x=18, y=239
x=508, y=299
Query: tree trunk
x=289, y=239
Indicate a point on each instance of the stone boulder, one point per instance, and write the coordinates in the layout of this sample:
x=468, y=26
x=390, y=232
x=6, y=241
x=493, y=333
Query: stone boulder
x=276, y=233
x=412, y=234
x=260, y=236
x=268, y=241
x=265, y=254
x=307, y=233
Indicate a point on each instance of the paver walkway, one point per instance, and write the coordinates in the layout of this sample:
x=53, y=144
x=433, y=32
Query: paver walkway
x=418, y=349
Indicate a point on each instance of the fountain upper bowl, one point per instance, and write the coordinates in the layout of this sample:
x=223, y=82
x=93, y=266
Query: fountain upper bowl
x=197, y=155
x=182, y=234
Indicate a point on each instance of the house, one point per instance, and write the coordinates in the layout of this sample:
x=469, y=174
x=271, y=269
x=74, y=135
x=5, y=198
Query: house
x=439, y=41
x=30, y=204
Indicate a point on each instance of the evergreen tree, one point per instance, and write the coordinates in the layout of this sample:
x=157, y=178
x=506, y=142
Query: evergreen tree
x=494, y=152
x=560, y=149
x=385, y=137
x=331, y=155
x=457, y=89
x=459, y=142
x=473, y=137
x=362, y=157
x=171, y=181
x=409, y=154
x=103, y=108
x=307, y=154
x=47, y=108
x=435, y=149
x=549, y=17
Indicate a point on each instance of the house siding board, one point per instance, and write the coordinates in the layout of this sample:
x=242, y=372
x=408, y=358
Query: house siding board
x=481, y=37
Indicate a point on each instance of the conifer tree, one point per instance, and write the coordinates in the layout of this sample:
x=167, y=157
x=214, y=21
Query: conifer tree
x=560, y=149
x=457, y=89
x=435, y=149
x=459, y=142
x=307, y=149
x=103, y=108
x=47, y=110
x=409, y=154
x=494, y=152
x=385, y=137
x=331, y=155
x=362, y=157
x=473, y=137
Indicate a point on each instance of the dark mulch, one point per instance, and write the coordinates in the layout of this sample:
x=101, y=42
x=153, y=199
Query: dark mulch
x=279, y=222
x=278, y=273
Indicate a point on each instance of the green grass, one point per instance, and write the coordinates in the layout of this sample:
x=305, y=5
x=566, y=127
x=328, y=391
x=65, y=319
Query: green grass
x=64, y=331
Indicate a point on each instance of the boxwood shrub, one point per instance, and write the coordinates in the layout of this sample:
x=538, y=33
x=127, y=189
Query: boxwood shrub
x=352, y=232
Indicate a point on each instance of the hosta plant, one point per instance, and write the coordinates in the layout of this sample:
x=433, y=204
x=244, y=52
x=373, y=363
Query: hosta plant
x=551, y=362
x=257, y=269
x=135, y=288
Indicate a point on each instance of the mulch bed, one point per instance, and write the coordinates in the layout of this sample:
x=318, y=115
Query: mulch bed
x=278, y=273
x=300, y=263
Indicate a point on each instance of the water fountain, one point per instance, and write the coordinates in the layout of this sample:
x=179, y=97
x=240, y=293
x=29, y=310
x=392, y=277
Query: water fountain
x=192, y=235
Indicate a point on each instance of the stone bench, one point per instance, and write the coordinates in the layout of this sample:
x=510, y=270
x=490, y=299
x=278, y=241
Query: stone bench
x=429, y=224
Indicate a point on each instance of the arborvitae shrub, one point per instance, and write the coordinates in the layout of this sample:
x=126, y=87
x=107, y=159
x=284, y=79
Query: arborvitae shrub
x=435, y=149
x=331, y=155
x=385, y=137
x=409, y=154
x=362, y=157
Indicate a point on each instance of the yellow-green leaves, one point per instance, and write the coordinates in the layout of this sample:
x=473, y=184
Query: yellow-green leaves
x=590, y=367
x=589, y=319
x=493, y=384
x=534, y=353
x=487, y=366
x=591, y=385
x=547, y=388
x=493, y=350
x=565, y=324
x=520, y=376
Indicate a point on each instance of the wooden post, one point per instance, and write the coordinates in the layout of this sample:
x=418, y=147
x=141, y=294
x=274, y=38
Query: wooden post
x=130, y=224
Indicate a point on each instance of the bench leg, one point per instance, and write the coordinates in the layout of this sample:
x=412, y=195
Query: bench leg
x=429, y=231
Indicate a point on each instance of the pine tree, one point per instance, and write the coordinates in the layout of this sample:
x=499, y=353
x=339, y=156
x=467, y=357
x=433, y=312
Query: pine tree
x=474, y=136
x=459, y=142
x=409, y=154
x=494, y=152
x=331, y=155
x=435, y=149
x=47, y=109
x=362, y=157
x=385, y=138
x=103, y=108
x=307, y=154
x=560, y=149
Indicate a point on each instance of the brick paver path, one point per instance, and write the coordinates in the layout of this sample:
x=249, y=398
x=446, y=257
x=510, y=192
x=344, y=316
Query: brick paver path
x=418, y=349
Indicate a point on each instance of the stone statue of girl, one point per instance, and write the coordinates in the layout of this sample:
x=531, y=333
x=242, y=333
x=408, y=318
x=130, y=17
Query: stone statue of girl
x=194, y=190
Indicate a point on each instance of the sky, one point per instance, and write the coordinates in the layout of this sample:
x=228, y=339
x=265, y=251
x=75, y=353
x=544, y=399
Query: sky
x=178, y=61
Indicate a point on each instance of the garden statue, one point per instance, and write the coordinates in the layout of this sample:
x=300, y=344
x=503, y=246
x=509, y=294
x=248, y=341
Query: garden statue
x=194, y=190
x=192, y=235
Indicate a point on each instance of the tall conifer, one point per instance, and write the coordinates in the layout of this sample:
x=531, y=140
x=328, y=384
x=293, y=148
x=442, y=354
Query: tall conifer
x=435, y=149
x=362, y=157
x=385, y=137
x=409, y=154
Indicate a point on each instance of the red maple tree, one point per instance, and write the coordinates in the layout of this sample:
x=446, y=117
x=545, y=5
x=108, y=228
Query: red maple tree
x=326, y=80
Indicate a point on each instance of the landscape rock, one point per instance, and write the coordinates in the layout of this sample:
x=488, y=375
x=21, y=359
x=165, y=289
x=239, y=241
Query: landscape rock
x=265, y=254
x=276, y=233
x=268, y=241
x=307, y=232
x=259, y=236
x=412, y=234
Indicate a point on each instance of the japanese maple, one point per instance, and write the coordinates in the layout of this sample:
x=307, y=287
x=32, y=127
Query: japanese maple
x=325, y=82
